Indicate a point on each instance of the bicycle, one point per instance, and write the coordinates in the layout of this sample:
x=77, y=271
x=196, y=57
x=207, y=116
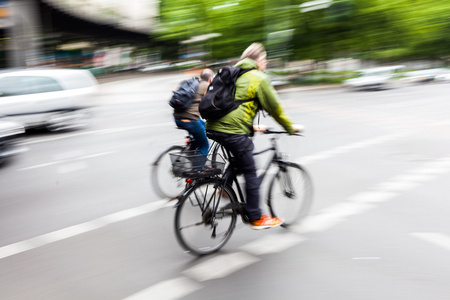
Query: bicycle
x=207, y=210
x=164, y=181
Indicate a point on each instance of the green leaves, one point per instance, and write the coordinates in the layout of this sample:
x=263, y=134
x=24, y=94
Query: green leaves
x=376, y=29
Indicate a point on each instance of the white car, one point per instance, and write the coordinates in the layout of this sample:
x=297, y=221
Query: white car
x=56, y=99
x=427, y=75
x=444, y=77
x=10, y=135
x=374, y=79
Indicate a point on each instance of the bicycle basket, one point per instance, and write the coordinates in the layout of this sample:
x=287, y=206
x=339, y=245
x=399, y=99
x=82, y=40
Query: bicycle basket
x=192, y=164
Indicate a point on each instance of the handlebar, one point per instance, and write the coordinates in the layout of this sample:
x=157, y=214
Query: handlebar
x=266, y=130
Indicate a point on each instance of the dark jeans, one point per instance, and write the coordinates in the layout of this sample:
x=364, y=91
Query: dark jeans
x=200, y=143
x=241, y=147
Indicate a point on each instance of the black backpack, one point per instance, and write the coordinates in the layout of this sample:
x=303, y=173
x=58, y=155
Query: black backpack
x=182, y=98
x=219, y=97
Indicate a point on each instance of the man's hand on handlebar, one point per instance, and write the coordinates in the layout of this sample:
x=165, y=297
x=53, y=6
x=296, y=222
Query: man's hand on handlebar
x=259, y=128
x=298, y=128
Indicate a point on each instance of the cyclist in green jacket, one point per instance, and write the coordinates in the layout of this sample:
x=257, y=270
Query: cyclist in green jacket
x=233, y=130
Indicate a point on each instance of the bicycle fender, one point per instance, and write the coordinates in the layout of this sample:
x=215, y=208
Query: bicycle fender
x=182, y=197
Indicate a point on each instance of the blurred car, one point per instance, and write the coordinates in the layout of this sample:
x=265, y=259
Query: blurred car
x=56, y=99
x=165, y=66
x=10, y=135
x=156, y=67
x=444, y=77
x=374, y=79
x=423, y=76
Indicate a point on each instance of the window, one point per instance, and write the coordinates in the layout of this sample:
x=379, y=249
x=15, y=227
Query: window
x=23, y=85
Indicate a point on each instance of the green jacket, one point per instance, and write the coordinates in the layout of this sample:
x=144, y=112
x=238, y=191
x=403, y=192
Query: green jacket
x=252, y=84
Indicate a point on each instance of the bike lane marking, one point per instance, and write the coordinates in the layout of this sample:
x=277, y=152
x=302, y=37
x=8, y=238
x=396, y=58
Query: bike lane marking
x=347, y=148
x=274, y=243
x=383, y=192
x=435, y=238
x=167, y=290
x=220, y=266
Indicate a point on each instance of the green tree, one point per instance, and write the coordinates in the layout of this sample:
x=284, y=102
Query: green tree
x=368, y=29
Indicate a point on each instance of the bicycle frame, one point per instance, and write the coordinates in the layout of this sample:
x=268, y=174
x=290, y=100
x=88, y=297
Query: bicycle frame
x=207, y=210
x=230, y=173
x=275, y=158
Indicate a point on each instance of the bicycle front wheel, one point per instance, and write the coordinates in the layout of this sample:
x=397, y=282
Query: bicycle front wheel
x=203, y=222
x=290, y=193
x=162, y=178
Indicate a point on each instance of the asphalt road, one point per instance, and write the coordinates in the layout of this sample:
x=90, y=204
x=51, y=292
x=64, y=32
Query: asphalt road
x=79, y=219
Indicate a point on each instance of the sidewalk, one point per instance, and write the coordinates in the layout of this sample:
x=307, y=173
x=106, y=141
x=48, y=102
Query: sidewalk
x=294, y=89
x=124, y=75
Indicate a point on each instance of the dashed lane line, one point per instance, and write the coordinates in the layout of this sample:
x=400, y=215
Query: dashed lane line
x=346, y=148
x=361, y=202
x=274, y=243
x=70, y=165
x=167, y=290
x=434, y=238
x=92, y=132
x=220, y=266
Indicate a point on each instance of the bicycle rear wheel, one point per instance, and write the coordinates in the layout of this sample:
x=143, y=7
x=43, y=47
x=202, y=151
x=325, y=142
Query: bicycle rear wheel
x=290, y=193
x=203, y=222
x=162, y=178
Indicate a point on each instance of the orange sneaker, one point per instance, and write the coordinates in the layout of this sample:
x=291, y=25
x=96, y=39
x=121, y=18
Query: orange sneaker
x=266, y=222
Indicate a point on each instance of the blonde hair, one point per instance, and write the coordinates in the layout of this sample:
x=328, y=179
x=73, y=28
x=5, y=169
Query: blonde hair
x=255, y=51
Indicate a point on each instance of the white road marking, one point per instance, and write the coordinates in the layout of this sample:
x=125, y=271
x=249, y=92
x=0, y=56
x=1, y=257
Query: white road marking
x=346, y=148
x=359, y=203
x=414, y=177
x=92, y=132
x=40, y=166
x=432, y=170
x=398, y=186
x=331, y=217
x=274, y=243
x=220, y=266
x=71, y=231
x=167, y=290
x=435, y=238
x=373, y=196
x=70, y=165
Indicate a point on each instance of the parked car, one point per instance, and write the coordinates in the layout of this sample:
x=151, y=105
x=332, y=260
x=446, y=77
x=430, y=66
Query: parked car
x=57, y=99
x=374, y=78
x=423, y=76
x=10, y=135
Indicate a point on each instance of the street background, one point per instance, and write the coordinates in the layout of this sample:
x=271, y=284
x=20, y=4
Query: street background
x=79, y=218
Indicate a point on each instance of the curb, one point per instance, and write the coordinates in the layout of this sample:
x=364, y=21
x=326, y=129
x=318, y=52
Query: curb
x=308, y=88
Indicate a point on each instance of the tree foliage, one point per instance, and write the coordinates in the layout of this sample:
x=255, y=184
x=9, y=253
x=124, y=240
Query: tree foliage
x=376, y=29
